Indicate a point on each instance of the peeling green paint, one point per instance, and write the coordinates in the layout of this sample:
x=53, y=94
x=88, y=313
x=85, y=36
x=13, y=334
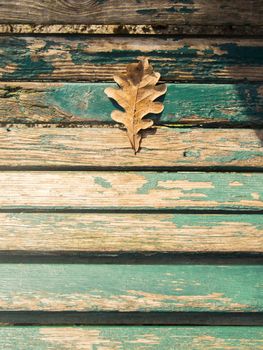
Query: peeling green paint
x=242, y=155
x=102, y=182
x=18, y=54
x=213, y=186
x=192, y=154
x=210, y=220
x=183, y=9
x=147, y=12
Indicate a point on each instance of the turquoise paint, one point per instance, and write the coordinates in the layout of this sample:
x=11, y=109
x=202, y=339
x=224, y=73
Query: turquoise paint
x=236, y=155
x=206, y=101
x=242, y=53
x=81, y=100
x=233, y=56
x=147, y=12
x=192, y=154
x=219, y=189
x=27, y=67
x=102, y=182
x=183, y=9
x=210, y=220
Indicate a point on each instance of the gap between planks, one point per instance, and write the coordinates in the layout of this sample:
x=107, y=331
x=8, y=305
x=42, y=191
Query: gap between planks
x=131, y=319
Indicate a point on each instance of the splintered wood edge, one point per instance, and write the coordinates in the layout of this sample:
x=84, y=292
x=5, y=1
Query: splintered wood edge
x=129, y=29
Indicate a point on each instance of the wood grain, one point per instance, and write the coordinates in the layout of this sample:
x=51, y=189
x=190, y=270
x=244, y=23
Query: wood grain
x=214, y=12
x=93, y=58
x=110, y=147
x=130, y=288
x=185, y=104
x=131, y=338
x=33, y=190
x=47, y=233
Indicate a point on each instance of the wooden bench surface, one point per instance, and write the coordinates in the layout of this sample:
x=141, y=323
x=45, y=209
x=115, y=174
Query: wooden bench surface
x=103, y=249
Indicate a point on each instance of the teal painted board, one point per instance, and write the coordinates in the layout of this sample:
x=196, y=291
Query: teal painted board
x=131, y=338
x=130, y=288
x=92, y=190
x=93, y=58
x=184, y=104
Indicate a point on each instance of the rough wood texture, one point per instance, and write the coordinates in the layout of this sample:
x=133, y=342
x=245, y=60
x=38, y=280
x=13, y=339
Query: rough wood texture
x=130, y=288
x=110, y=147
x=130, y=190
x=105, y=233
x=131, y=338
x=131, y=29
x=214, y=12
x=93, y=58
x=186, y=104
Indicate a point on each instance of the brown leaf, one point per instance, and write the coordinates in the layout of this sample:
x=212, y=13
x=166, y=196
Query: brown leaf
x=136, y=96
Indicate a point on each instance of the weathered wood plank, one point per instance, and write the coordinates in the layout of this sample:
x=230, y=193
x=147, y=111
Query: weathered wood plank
x=214, y=12
x=105, y=233
x=131, y=29
x=131, y=338
x=130, y=288
x=129, y=190
x=93, y=58
x=194, y=104
x=110, y=147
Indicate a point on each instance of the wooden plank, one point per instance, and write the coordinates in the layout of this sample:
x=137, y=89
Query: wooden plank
x=186, y=104
x=93, y=58
x=131, y=288
x=47, y=233
x=131, y=338
x=110, y=147
x=129, y=190
x=214, y=12
x=132, y=29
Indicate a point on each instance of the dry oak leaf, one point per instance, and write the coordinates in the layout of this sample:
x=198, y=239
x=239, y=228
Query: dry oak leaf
x=136, y=95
